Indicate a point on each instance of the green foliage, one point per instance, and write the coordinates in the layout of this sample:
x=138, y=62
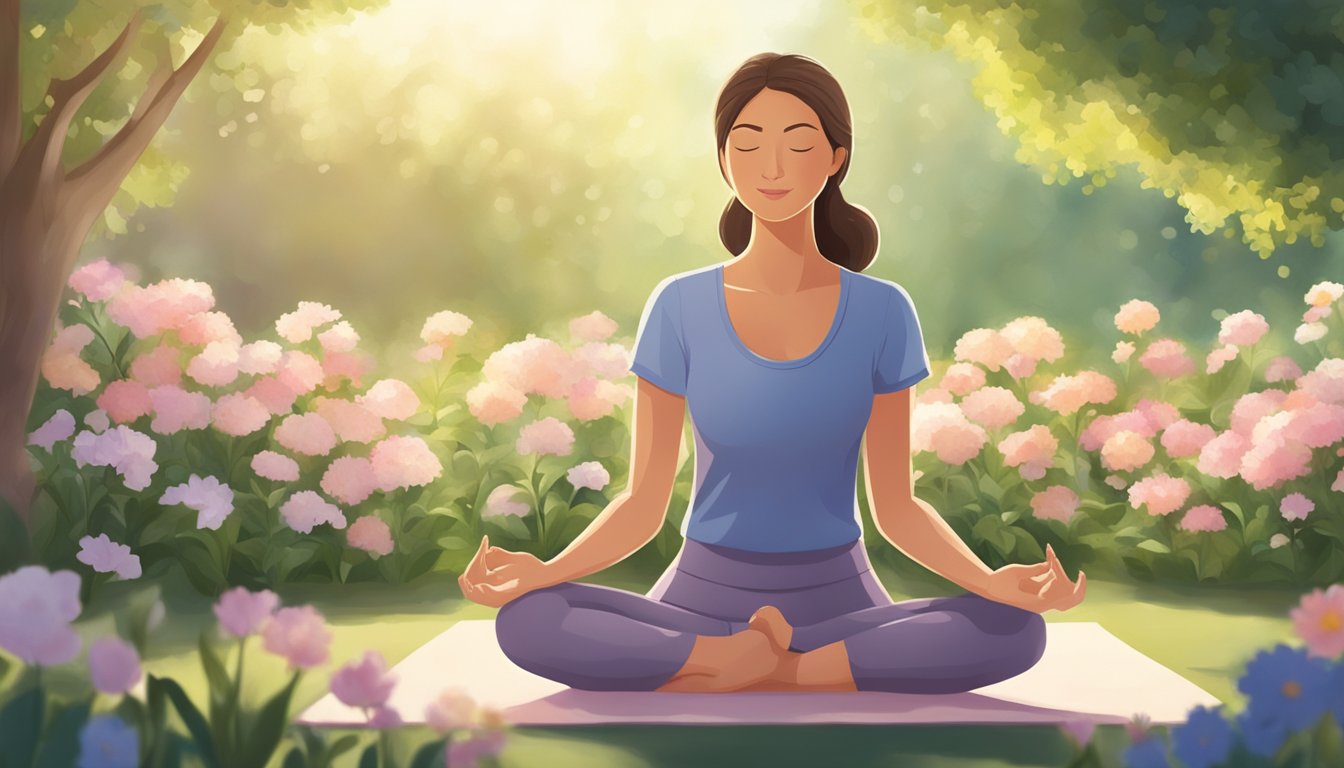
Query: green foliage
x=1233, y=108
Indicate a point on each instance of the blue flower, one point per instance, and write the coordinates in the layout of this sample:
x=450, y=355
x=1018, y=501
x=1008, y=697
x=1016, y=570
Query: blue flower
x=1287, y=685
x=1203, y=740
x=1337, y=706
x=1151, y=752
x=1262, y=734
x=106, y=741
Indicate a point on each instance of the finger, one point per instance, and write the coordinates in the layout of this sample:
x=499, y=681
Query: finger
x=1041, y=578
x=1057, y=566
x=1046, y=588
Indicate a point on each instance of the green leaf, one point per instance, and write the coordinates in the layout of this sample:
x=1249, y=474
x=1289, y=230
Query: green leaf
x=191, y=717
x=343, y=745
x=1152, y=545
x=370, y=757
x=295, y=759
x=20, y=725
x=60, y=745
x=270, y=725
x=429, y=755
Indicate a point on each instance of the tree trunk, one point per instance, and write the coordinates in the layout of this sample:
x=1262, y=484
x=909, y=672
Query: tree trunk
x=46, y=213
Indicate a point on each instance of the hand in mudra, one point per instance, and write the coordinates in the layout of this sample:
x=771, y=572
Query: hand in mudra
x=1036, y=587
x=495, y=576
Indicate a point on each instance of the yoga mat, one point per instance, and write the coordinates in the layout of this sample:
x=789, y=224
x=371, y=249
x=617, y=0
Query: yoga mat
x=1086, y=673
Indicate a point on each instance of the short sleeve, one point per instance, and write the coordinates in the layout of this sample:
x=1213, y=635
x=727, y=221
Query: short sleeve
x=660, y=348
x=901, y=358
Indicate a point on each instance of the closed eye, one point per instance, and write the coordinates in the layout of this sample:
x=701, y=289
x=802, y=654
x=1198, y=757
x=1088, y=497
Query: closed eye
x=745, y=149
x=806, y=149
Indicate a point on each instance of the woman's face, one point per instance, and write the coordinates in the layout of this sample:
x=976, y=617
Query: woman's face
x=777, y=145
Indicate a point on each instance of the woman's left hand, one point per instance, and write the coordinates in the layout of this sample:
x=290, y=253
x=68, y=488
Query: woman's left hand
x=1037, y=587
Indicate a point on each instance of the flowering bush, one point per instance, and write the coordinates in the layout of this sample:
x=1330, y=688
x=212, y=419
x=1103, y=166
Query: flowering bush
x=226, y=735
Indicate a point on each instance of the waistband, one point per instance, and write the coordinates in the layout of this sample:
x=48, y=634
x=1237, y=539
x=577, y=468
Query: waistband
x=772, y=570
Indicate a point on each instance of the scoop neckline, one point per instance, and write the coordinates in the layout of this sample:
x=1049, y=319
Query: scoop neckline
x=720, y=293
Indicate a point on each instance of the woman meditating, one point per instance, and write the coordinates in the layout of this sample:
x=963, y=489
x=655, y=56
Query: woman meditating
x=792, y=362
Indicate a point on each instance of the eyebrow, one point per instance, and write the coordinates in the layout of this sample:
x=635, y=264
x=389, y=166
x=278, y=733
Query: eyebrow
x=786, y=130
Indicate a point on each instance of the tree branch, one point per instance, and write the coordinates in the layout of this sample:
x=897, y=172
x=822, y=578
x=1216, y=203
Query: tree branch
x=11, y=107
x=99, y=177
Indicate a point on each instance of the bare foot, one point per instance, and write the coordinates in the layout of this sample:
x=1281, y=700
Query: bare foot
x=736, y=661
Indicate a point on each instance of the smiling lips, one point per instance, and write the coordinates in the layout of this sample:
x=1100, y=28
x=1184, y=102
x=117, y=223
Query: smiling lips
x=774, y=194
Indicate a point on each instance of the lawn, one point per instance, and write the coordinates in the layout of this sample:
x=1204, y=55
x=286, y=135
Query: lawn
x=1204, y=633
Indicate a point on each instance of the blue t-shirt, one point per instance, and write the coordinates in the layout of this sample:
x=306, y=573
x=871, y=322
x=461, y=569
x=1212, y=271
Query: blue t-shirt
x=777, y=441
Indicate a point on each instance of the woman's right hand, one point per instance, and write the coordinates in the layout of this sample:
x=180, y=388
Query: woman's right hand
x=495, y=576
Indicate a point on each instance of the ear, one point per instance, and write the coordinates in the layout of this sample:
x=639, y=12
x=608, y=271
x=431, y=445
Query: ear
x=839, y=160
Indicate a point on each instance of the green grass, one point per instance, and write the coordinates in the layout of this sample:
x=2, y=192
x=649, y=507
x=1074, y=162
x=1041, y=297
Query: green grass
x=1205, y=633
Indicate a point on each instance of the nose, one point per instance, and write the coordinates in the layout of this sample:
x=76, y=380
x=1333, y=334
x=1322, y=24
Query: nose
x=774, y=167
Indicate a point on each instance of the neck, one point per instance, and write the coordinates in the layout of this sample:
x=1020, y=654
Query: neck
x=783, y=257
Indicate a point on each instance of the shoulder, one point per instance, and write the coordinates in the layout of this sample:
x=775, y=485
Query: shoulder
x=880, y=290
x=687, y=285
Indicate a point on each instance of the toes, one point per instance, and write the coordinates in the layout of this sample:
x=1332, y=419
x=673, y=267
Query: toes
x=771, y=621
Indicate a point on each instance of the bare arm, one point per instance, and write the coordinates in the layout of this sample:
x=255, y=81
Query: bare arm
x=911, y=524
x=635, y=516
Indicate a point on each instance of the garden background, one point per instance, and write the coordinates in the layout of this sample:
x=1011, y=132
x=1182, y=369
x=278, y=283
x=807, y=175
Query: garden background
x=418, y=238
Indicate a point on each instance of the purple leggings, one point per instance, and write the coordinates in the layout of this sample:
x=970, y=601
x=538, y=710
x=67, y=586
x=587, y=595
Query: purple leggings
x=600, y=638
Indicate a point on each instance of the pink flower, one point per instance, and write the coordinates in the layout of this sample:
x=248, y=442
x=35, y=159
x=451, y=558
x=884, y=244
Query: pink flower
x=106, y=556
x=1167, y=358
x=212, y=500
x=1319, y=621
x=1162, y=493
x=534, y=365
x=96, y=420
x=1274, y=460
x=163, y=306
x=384, y=717
x=160, y=366
x=944, y=429
x=1080, y=729
x=297, y=326
x=365, y=683
x=306, y=433
x=1221, y=456
x=494, y=402
x=350, y=421
x=242, y=612
x=985, y=346
x=1126, y=450
x=1204, y=517
x=1033, y=338
x=300, y=371
x=502, y=501
x=1323, y=294
x=589, y=474
x=593, y=326
x=992, y=407
x=962, y=378
x=204, y=328
x=1066, y=394
x=62, y=366
x=1251, y=407
x=260, y=357
x=546, y=436
x=1311, y=316
x=278, y=398
x=1185, y=438
x=1058, y=502
x=59, y=427
x=1136, y=317
x=610, y=360
x=298, y=634
x=463, y=753
x=1325, y=382
x=1123, y=351
x=275, y=466
x=177, y=409
x=97, y=281
x=1295, y=506
x=306, y=509
x=1309, y=332
x=390, y=399
x=36, y=609
x=350, y=479
x=1243, y=329
x=1095, y=434
x=404, y=461
x=591, y=398
x=1282, y=368
x=370, y=534
x=125, y=400
x=1033, y=449
x=114, y=665
x=238, y=414
x=341, y=337
x=217, y=365
x=1220, y=357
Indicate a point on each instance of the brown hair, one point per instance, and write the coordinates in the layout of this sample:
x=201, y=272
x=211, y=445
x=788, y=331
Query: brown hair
x=846, y=234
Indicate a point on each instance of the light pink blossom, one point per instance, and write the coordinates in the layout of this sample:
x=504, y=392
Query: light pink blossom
x=307, y=509
x=306, y=433
x=114, y=665
x=36, y=611
x=238, y=414
x=176, y=409
x=1058, y=502
x=534, y=365
x=1282, y=368
x=502, y=501
x=589, y=474
x=493, y=402
x=129, y=452
x=350, y=479
x=212, y=500
x=160, y=366
x=161, y=307
x=1032, y=337
x=1167, y=358
x=297, y=326
x=404, y=461
x=1318, y=619
x=593, y=326
x=275, y=466
x=1203, y=518
x=106, y=556
x=1136, y=317
x=984, y=346
x=300, y=635
x=390, y=399
x=1126, y=450
x=1296, y=506
x=548, y=436
x=364, y=683
x=97, y=281
x=1243, y=329
x=59, y=427
x=242, y=612
x=370, y=534
x=1161, y=493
